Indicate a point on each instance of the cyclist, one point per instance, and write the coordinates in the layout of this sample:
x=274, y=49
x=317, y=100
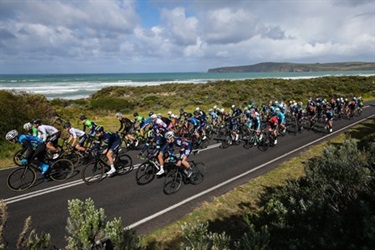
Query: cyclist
x=232, y=124
x=88, y=124
x=185, y=150
x=159, y=128
x=75, y=134
x=50, y=135
x=255, y=122
x=273, y=123
x=236, y=111
x=29, y=127
x=329, y=118
x=201, y=117
x=195, y=124
x=126, y=128
x=281, y=117
x=109, y=143
x=32, y=145
x=139, y=119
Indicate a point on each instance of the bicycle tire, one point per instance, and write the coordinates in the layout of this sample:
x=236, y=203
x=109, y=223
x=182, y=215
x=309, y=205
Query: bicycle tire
x=145, y=173
x=17, y=158
x=225, y=143
x=21, y=179
x=93, y=173
x=196, y=177
x=172, y=182
x=124, y=164
x=73, y=156
x=61, y=170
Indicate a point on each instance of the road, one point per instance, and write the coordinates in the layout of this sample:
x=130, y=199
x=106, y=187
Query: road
x=146, y=208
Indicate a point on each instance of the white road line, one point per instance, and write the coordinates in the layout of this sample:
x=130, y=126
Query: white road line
x=238, y=177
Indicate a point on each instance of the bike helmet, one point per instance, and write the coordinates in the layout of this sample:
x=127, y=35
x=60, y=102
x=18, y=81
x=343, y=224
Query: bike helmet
x=150, y=114
x=67, y=125
x=169, y=135
x=83, y=117
x=118, y=115
x=99, y=129
x=153, y=116
x=135, y=114
x=37, y=121
x=189, y=115
x=233, y=106
x=11, y=135
x=215, y=107
x=27, y=126
x=169, y=112
x=196, y=112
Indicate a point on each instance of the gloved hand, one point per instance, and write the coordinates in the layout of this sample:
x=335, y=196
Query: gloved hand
x=24, y=161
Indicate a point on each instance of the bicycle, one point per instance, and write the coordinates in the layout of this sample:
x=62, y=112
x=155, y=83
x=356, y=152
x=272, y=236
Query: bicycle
x=147, y=170
x=176, y=176
x=229, y=140
x=24, y=177
x=95, y=172
x=254, y=140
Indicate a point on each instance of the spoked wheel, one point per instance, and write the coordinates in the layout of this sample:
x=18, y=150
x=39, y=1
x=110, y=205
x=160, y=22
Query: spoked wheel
x=17, y=158
x=263, y=143
x=93, y=173
x=145, y=173
x=226, y=142
x=172, y=182
x=21, y=178
x=61, y=170
x=249, y=143
x=124, y=164
x=73, y=156
x=196, y=177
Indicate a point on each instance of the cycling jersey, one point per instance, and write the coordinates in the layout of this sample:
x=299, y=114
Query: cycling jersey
x=90, y=124
x=109, y=141
x=255, y=122
x=125, y=124
x=280, y=117
x=33, y=146
x=184, y=145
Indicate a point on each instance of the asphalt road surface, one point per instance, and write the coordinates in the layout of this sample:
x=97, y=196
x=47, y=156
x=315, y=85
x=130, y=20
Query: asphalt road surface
x=147, y=208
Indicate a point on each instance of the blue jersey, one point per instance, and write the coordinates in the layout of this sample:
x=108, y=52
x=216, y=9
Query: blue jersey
x=34, y=140
x=281, y=117
x=109, y=139
x=194, y=121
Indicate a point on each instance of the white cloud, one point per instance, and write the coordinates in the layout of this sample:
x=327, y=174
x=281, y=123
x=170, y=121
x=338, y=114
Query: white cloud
x=187, y=35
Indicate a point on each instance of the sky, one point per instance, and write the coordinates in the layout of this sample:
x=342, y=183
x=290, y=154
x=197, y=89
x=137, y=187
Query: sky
x=141, y=36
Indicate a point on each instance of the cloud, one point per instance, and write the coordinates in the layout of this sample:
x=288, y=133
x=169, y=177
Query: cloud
x=184, y=35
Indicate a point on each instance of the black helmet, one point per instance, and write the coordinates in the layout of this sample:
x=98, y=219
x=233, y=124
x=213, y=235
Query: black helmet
x=37, y=121
x=67, y=125
x=151, y=113
x=99, y=129
x=196, y=112
x=189, y=115
x=135, y=114
x=83, y=117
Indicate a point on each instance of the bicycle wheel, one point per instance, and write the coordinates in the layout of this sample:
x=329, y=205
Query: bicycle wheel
x=73, y=156
x=93, y=173
x=61, y=170
x=145, y=173
x=21, y=178
x=197, y=176
x=124, y=164
x=172, y=182
x=263, y=144
x=17, y=158
x=226, y=142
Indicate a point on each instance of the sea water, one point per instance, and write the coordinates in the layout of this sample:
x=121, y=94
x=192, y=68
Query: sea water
x=76, y=86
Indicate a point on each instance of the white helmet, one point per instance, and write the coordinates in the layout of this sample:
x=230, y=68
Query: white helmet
x=169, y=135
x=215, y=107
x=118, y=115
x=233, y=106
x=197, y=108
x=27, y=126
x=159, y=115
x=222, y=110
x=169, y=112
x=11, y=135
x=153, y=116
x=210, y=110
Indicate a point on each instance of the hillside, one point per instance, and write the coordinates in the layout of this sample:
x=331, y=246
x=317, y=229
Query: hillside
x=296, y=67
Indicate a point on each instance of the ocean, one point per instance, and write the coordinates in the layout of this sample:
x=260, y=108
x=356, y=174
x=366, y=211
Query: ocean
x=76, y=86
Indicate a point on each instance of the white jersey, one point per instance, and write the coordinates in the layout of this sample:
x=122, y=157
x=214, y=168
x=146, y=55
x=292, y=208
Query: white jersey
x=46, y=130
x=76, y=132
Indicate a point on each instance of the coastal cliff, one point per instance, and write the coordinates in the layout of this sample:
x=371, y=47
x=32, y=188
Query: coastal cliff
x=296, y=67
